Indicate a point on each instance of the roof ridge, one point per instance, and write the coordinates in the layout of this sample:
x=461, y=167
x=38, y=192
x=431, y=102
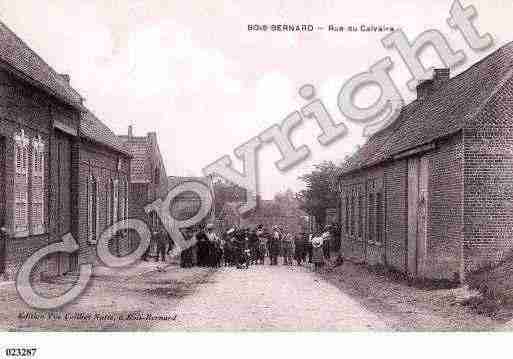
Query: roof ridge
x=54, y=71
x=28, y=47
x=451, y=107
x=118, y=145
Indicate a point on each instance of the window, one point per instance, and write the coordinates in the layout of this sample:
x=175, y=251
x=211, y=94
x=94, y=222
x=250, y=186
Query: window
x=126, y=200
x=21, y=184
x=347, y=214
x=115, y=204
x=370, y=217
x=379, y=217
x=108, y=203
x=360, y=215
x=121, y=200
x=352, y=213
x=93, y=210
x=375, y=212
x=37, y=187
x=156, y=176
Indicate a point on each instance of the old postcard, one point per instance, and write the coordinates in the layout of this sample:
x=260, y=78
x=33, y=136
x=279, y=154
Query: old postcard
x=227, y=166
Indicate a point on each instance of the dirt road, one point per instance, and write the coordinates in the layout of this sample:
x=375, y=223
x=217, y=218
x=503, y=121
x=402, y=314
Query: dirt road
x=149, y=297
x=271, y=298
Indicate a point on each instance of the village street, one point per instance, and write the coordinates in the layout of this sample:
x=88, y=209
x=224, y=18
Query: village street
x=273, y=298
x=259, y=298
x=282, y=298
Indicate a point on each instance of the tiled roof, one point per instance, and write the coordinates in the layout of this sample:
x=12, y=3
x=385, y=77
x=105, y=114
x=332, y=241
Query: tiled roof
x=441, y=113
x=18, y=56
x=93, y=129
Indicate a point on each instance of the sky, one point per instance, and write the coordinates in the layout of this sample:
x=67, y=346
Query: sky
x=192, y=72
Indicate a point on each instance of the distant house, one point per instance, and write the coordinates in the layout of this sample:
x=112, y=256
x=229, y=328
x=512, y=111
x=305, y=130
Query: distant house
x=229, y=216
x=431, y=195
x=148, y=179
x=282, y=211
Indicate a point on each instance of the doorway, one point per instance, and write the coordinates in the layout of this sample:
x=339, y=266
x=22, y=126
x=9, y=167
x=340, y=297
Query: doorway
x=418, y=197
x=63, y=194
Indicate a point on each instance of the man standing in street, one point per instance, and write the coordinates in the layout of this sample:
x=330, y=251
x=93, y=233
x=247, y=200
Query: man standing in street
x=274, y=245
x=288, y=249
x=326, y=245
x=300, y=249
x=214, y=255
x=162, y=241
x=203, y=248
x=309, y=247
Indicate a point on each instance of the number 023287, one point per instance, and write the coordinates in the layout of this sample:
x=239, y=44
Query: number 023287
x=20, y=352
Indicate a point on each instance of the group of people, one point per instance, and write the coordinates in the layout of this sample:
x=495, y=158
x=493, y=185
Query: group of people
x=242, y=247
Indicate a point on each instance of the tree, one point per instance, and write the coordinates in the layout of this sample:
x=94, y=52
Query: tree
x=320, y=192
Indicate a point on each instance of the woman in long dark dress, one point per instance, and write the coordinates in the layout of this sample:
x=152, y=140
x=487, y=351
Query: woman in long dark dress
x=300, y=250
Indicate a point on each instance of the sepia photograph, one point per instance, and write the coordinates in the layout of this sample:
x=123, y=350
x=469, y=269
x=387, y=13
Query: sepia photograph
x=302, y=167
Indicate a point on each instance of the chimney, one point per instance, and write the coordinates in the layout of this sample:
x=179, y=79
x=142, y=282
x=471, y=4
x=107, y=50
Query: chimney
x=431, y=85
x=441, y=75
x=65, y=77
x=153, y=137
x=130, y=132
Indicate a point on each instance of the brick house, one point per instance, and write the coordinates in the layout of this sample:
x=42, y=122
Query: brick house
x=51, y=148
x=431, y=195
x=148, y=179
x=103, y=169
x=39, y=124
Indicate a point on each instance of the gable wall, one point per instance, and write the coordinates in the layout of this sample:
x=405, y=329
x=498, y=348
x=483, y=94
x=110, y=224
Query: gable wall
x=488, y=216
x=445, y=210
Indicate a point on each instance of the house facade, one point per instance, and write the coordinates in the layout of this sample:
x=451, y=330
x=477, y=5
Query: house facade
x=148, y=179
x=103, y=168
x=52, y=151
x=39, y=125
x=431, y=195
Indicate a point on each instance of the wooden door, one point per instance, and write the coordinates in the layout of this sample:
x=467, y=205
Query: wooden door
x=3, y=235
x=418, y=195
x=63, y=194
x=422, y=216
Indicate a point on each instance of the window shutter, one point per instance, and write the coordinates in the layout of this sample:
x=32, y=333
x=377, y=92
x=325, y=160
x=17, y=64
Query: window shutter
x=92, y=209
x=126, y=199
x=37, y=186
x=96, y=207
x=115, y=196
x=121, y=200
x=108, y=203
x=21, y=184
x=89, y=209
